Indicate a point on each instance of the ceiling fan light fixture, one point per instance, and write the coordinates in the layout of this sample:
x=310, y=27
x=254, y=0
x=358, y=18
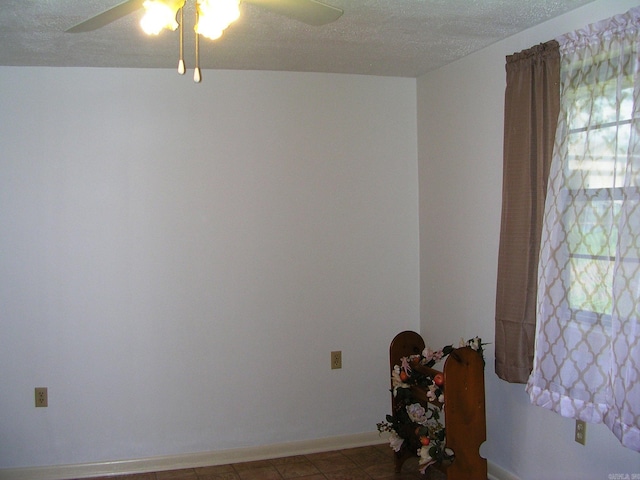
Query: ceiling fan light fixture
x=160, y=14
x=214, y=16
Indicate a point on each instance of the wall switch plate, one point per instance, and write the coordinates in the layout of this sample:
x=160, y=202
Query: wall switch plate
x=581, y=432
x=336, y=360
x=42, y=397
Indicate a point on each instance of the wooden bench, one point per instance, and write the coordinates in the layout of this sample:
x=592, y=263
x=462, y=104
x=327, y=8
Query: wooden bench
x=464, y=406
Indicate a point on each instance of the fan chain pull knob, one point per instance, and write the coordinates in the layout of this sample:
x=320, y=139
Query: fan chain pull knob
x=196, y=75
x=181, y=68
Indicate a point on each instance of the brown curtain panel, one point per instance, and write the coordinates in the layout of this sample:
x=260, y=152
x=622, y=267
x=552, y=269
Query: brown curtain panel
x=532, y=104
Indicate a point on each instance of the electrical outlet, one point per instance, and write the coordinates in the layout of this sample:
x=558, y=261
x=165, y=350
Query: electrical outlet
x=581, y=432
x=336, y=360
x=42, y=398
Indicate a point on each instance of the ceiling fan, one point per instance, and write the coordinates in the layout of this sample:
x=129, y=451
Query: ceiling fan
x=311, y=12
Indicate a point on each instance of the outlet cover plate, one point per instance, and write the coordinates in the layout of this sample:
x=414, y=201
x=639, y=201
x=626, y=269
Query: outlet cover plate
x=336, y=360
x=42, y=397
x=581, y=432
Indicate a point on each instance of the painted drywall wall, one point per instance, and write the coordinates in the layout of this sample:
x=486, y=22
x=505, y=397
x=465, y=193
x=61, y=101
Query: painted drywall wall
x=178, y=261
x=460, y=125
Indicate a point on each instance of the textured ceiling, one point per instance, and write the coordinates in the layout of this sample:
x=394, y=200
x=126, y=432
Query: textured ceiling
x=404, y=38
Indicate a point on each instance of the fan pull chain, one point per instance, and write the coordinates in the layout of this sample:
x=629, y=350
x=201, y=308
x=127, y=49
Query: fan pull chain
x=181, y=68
x=196, y=72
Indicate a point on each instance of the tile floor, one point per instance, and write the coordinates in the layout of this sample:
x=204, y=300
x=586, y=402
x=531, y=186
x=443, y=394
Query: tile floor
x=363, y=463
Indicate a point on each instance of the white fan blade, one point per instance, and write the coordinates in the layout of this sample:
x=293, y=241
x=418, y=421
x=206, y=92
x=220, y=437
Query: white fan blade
x=111, y=15
x=310, y=12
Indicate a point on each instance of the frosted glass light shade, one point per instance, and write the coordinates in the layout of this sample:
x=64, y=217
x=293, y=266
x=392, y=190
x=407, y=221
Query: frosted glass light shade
x=160, y=14
x=214, y=16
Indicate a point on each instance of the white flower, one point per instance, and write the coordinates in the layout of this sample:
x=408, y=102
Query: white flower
x=425, y=459
x=396, y=381
x=431, y=393
x=417, y=413
x=474, y=343
x=395, y=441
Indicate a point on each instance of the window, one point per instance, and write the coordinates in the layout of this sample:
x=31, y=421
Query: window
x=587, y=356
x=599, y=126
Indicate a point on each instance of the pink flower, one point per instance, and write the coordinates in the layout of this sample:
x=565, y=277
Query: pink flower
x=405, y=365
x=429, y=354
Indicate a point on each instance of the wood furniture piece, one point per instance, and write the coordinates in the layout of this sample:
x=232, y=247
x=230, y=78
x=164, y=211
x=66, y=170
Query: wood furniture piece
x=464, y=406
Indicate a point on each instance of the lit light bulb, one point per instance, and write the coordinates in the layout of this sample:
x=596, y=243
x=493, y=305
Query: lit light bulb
x=160, y=14
x=215, y=16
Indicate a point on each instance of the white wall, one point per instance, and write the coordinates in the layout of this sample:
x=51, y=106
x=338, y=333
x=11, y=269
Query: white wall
x=460, y=128
x=178, y=260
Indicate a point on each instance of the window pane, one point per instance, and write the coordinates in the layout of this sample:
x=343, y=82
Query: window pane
x=591, y=220
x=591, y=282
x=599, y=134
x=597, y=158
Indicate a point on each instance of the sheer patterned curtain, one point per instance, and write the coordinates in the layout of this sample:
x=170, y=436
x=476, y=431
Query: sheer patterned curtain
x=587, y=355
x=531, y=106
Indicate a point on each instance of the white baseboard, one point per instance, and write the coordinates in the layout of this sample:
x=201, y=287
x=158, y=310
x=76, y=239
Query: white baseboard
x=192, y=460
x=499, y=473
x=205, y=459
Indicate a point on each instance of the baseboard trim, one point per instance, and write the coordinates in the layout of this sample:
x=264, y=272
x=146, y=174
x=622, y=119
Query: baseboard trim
x=192, y=460
x=204, y=459
x=499, y=473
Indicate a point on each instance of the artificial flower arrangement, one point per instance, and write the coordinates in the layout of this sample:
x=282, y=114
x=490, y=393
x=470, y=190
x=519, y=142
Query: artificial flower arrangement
x=413, y=426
